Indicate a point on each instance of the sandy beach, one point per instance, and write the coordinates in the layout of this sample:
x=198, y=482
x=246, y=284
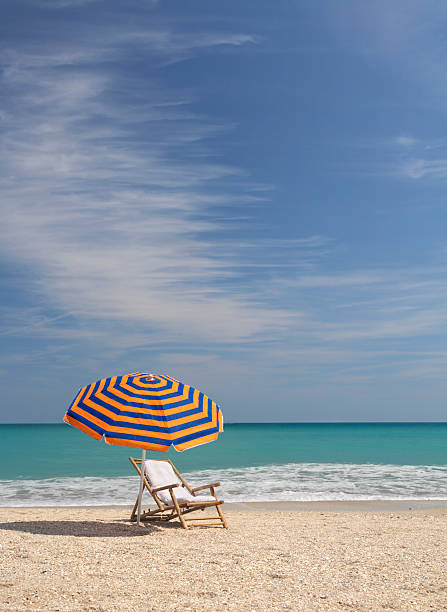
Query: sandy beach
x=272, y=557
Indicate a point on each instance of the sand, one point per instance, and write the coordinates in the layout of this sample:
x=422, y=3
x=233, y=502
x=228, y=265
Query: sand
x=271, y=558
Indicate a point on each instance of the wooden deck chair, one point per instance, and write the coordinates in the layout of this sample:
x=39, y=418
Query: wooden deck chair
x=173, y=496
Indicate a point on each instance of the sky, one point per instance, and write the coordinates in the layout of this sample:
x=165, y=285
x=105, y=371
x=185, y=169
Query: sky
x=248, y=197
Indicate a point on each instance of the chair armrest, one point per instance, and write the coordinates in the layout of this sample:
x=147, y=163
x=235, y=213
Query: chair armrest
x=208, y=486
x=171, y=486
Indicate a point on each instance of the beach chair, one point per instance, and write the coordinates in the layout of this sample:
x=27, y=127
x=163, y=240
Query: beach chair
x=173, y=496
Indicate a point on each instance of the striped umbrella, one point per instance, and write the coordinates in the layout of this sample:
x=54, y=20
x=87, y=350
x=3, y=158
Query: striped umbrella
x=148, y=411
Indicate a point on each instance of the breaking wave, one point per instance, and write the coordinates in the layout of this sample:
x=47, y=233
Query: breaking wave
x=289, y=482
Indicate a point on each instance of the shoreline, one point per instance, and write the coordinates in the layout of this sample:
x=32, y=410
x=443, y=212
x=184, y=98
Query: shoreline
x=373, y=505
x=341, y=505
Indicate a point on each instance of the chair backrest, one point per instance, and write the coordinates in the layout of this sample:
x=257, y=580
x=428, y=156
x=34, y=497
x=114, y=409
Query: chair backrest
x=160, y=473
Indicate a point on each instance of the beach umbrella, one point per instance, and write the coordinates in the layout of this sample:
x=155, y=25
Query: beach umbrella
x=146, y=411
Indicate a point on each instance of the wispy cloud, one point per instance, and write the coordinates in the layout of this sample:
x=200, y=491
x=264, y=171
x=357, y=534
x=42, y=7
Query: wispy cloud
x=404, y=42
x=115, y=220
x=421, y=168
x=419, y=158
x=405, y=141
x=60, y=4
x=338, y=280
x=407, y=38
x=401, y=157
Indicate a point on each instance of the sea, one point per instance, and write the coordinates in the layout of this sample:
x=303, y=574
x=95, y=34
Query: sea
x=58, y=465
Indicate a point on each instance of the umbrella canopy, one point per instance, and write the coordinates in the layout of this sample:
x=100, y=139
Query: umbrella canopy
x=147, y=411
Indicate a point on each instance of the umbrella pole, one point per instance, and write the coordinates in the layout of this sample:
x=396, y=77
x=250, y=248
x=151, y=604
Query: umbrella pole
x=140, y=495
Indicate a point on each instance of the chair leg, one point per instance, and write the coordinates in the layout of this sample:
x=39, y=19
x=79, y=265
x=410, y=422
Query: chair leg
x=222, y=518
x=134, y=511
x=179, y=512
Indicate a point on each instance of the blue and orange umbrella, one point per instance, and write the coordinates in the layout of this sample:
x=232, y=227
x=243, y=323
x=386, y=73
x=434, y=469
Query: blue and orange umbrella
x=147, y=411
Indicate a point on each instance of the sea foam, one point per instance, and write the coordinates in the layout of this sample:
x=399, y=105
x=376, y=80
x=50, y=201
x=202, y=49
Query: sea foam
x=288, y=482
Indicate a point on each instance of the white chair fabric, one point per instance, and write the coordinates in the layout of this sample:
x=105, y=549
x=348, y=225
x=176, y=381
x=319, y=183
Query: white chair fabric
x=160, y=474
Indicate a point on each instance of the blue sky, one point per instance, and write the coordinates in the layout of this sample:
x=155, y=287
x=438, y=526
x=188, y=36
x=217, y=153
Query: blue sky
x=249, y=197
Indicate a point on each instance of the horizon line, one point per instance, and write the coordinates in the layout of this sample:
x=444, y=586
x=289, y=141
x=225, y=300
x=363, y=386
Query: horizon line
x=279, y=423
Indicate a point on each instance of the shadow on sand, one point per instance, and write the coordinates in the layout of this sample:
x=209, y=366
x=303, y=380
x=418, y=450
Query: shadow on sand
x=84, y=529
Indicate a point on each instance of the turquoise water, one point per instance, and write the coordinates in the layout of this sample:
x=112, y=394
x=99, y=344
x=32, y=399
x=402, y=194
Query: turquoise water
x=45, y=451
x=280, y=461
